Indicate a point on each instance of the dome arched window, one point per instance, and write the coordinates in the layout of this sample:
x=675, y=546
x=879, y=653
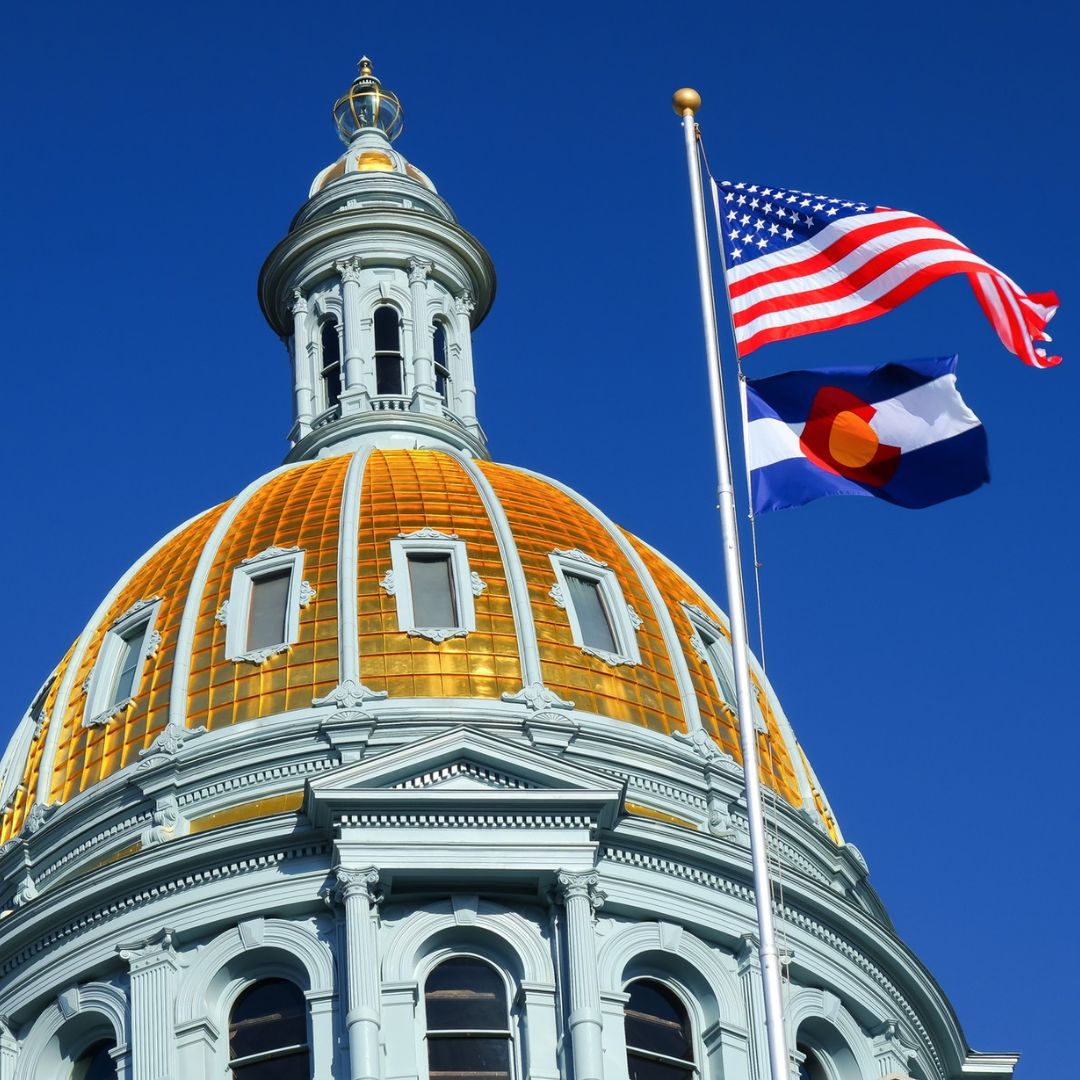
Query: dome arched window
x=268, y=1034
x=389, y=362
x=468, y=1021
x=330, y=343
x=659, y=1039
x=96, y=1062
x=442, y=362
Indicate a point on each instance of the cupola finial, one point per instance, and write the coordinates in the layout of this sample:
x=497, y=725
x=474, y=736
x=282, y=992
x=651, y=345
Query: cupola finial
x=368, y=106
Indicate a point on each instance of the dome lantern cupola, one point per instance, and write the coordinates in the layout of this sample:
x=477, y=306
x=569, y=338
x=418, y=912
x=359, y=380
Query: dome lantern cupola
x=367, y=106
x=375, y=292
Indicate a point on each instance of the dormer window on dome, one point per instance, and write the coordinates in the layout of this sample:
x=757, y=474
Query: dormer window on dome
x=117, y=674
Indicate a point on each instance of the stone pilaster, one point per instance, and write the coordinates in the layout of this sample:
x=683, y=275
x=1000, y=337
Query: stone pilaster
x=424, y=396
x=153, y=967
x=9, y=1051
x=753, y=993
x=355, y=891
x=354, y=396
x=581, y=897
x=463, y=376
x=303, y=384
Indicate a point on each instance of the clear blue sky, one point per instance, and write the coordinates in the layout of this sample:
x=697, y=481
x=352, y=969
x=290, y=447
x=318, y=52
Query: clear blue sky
x=155, y=153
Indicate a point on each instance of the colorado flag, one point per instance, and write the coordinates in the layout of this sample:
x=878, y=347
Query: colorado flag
x=900, y=432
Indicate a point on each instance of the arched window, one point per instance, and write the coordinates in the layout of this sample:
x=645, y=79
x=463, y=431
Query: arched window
x=659, y=1041
x=389, y=373
x=442, y=363
x=268, y=1033
x=331, y=361
x=468, y=1023
x=95, y=1063
x=810, y=1068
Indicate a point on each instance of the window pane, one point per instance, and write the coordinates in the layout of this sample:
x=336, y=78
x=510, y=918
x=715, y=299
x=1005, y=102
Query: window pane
x=656, y=1021
x=387, y=338
x=432, y=582
x=388, y=375
x=267, y=610
x=465, y=994
x=131, y=653
x=438, y=338
x=293, y=1065
x=95, y=1064
x=476, y=1058
x=714, y=647
x=331, y=362
x=268, y=1016
x=592, y=618
x=643, y=1068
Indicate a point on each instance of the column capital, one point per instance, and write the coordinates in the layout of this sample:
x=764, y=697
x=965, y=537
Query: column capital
x=299, y=304
x=464, y=302
x=571, y=886
x=349, y=269
x=419, y=270
x=354, y=883
x=155, y=950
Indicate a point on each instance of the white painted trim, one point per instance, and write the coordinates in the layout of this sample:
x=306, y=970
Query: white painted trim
x=520, y=603
x=687, y=693
x=13, y=764
x=348, y=568
x=399, y=582
x=138, y=619
x=235, y=611
x=621, y=616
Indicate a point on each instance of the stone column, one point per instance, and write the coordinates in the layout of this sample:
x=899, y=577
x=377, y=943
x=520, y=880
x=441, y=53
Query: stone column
x=153, y=966
x=354, y=394
x=581, y=897
x=9, y=1051
x=424, y=396
x=355, y=891
x=302, y=374
x=463, y=377
x=754, y=1003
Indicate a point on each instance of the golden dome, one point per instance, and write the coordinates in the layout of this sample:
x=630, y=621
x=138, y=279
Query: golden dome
x=509, y=519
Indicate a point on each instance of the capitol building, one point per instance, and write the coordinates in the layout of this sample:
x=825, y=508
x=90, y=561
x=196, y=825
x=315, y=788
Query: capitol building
x=403, y=764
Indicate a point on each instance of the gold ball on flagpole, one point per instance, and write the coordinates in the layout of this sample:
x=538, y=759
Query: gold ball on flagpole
x=684, y=99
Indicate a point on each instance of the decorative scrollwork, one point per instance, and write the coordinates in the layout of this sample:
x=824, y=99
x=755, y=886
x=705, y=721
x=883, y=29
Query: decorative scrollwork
x=537, y=697
x=388, y=583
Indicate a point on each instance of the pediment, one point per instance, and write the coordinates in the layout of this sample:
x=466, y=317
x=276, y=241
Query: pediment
x=461, y=766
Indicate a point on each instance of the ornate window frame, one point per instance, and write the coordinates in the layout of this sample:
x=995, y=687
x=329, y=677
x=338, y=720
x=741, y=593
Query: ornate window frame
x=140, y=617
x=691, y=1008
x=623, y=619
x=467, y=583
x=233, y=613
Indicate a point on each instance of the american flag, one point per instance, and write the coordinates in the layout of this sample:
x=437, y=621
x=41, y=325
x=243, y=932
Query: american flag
x=798, y=263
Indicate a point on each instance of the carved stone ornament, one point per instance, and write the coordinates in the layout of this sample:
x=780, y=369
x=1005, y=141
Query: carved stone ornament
x=166, y=823
x=167, y=745
x=102, y=718
x=305, y=594
x=260, y=656
x=350, y=694
x=349, y=884
x=614, y=659
x=24, y=892
x=349, y=269
x=270, y=553
x=573, y=886
x=557, y=596
x=476, y=583
x=428, y=533
x=149, y=952
x=577, y=555
x=703, y=615
x=14, y=842
x=720, y=822
x=419, y=269
x=537, y=698
x=698, y=646
x=437, y=634
x=704, y=746
x=39, y=814
x=153, y=643
x=388, y=583
x=139, y=605
x=464, y=304
x=299, y=304
x=635, y=619
x=222, y=615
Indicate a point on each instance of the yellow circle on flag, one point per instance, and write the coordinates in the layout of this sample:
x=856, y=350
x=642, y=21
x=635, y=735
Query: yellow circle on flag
x=852, y=441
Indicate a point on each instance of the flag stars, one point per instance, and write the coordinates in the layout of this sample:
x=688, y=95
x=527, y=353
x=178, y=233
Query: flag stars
x=736, y=253
x=745, y=219
x=819, y=206
x=753, y=204
x=729, y=197
x=832, y=211
x=788, y=234
x=759, y=224
x=774, y=229
x=763, y=243
x=741, y=200
x=732, y=216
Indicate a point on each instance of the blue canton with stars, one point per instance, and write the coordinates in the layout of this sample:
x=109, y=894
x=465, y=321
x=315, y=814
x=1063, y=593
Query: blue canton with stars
x=758, y=220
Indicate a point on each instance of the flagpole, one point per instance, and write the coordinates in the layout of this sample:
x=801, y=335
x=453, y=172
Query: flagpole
x=686, y=103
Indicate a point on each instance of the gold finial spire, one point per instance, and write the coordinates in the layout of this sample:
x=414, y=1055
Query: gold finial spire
x=367, y=106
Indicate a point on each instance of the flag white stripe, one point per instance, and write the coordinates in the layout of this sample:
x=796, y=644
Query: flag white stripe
x=836, y=272
x=865, y=297
x=815, y=245
x=927, y=414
